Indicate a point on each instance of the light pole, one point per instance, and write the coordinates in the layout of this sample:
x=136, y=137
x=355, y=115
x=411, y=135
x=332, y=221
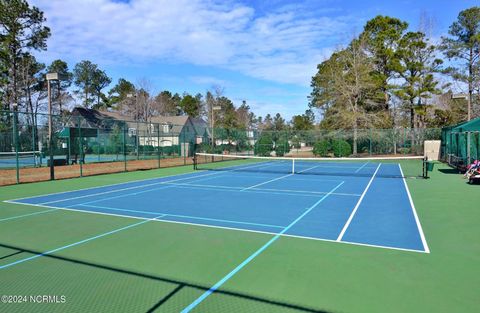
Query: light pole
x=214, y=108
x=50, y=77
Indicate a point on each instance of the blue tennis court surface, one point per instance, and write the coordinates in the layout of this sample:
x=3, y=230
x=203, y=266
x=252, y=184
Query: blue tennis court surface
x=371, y=209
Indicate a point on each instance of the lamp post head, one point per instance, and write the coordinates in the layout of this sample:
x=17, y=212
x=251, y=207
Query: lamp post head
x=52, y=76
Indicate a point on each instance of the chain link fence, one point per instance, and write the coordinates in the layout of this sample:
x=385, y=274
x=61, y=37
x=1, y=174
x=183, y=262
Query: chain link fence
x=80, y=147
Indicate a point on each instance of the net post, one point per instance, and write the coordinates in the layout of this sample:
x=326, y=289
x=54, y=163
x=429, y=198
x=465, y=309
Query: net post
x=425, y=167
x=293, y=166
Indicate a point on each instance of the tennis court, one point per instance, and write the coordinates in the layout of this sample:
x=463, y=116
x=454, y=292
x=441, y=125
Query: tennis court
x=369, y=204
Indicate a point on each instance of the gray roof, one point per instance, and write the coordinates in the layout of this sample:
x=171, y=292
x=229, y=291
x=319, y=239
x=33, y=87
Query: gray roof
x=96, y=119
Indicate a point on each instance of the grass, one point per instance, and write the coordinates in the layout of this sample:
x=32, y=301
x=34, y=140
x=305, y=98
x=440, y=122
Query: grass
x=163, y=267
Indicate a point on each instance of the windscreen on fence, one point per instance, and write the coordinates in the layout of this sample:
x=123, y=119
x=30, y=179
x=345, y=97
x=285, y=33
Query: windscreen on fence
x=461, y=143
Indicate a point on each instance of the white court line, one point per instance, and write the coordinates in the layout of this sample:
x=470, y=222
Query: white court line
x=360, y=168
x=219, y=227
x=35, y=256
x=417, y=220
x=181, y=216
x=239, y=267
x=134, y=187
x=261, y=191
x=117, y=184
x=265, y=189
x=278, y=178
x=123, y=189
x=25, y=215
x=350, y=218
x=266, y=182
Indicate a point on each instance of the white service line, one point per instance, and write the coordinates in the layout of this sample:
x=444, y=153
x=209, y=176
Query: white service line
x=278, y=178
x=350, y=218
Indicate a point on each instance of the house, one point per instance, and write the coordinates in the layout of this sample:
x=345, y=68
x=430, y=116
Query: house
x=160, y=131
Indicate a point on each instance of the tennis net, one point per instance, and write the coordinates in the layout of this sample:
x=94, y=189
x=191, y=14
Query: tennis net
x=389, y=167
x=25, y=159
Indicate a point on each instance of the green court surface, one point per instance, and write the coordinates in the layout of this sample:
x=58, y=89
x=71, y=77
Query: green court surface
x=164, y=267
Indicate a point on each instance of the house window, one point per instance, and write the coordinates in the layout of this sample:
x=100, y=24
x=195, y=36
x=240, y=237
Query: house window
x=166, y=128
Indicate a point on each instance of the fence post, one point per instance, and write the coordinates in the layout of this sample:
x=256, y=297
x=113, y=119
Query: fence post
x=124, y=139
x=80, y=147
x=158, y=144
x=15, y=141
x=184, y=150
x=137, y=141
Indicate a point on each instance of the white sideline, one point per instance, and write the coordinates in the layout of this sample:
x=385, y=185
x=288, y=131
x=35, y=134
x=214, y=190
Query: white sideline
x=417, y=220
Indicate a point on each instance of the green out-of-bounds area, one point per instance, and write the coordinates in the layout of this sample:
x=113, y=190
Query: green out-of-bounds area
x=163, y=267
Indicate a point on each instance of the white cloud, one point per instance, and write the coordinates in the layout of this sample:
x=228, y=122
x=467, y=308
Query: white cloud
x=209, y=81
x=282, y=46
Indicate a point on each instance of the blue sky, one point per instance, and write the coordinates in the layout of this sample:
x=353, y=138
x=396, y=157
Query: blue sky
x=264, y=52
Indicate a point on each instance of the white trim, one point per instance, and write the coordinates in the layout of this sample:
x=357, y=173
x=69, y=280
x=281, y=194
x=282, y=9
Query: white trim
x=417, y=220
x=223, y=227
x=350, y=218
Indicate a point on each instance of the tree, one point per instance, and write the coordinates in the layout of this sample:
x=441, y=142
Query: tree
x=345, y=87
x=381, y=36
x=99, y=82
x=279, y=122
x=120, y=92
x=415, y=64
x=264, y=145
x=245, y=118
x=21, y=30
x=60, y=87
x=84, y=77
x=464, y=45
x=31, y=80
x=167, y=104
x=303, y=122
x=191, y=105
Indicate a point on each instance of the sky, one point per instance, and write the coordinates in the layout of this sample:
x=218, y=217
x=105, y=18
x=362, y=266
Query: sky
x=263, y=52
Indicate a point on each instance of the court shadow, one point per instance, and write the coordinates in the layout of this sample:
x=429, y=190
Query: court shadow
x=449, y=171
x=274, y=305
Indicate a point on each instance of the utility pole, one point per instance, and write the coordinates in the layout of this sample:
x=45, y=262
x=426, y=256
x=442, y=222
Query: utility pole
x=50, y=76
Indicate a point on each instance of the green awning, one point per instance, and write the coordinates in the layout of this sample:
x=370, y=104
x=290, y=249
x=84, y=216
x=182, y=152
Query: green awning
x=473, y=125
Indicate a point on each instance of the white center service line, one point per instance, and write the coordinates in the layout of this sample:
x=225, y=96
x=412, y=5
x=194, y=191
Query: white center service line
x=278, y=178
x=268, y=181
x=357, y=205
